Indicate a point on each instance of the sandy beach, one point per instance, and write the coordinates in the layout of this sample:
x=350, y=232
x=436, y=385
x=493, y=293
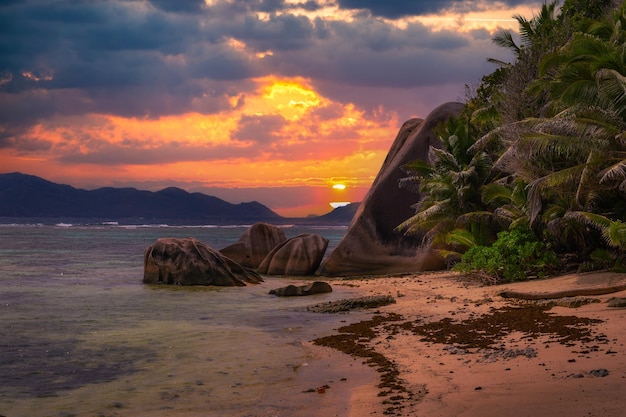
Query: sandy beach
x=452, y=346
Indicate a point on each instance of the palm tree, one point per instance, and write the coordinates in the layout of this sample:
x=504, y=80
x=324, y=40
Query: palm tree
x=538, y=36
x=534, y=33
x=450, y=183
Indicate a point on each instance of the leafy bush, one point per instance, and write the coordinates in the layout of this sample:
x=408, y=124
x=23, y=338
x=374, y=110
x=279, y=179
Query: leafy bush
x=514, y=256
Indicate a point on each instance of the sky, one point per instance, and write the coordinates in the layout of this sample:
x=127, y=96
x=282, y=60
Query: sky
x=292, y=103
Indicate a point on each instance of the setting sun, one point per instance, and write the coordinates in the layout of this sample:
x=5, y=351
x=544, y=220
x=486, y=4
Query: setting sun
x=339, y=186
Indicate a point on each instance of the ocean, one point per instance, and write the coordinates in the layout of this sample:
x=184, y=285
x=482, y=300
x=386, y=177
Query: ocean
x=80, y=335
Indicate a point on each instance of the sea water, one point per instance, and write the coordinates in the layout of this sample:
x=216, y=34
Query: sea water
x=80, y=335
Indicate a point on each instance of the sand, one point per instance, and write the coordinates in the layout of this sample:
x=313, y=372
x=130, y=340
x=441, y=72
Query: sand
x=456, y=347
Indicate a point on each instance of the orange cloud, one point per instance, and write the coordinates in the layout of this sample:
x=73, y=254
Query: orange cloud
x=282, y=134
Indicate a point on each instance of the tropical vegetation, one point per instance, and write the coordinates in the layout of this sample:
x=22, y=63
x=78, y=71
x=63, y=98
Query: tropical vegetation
x=537, y=158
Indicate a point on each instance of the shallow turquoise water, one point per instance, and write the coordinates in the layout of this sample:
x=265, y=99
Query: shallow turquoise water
x=81, y=336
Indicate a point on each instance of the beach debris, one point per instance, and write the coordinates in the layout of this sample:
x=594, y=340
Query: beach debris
x=355, y=339
x=455, y=350
x=568, y=302
x=492, y=355
x=488, y=330
x=574, y=292
x=320, y=390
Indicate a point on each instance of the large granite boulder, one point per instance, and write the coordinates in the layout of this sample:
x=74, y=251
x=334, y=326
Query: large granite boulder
x=191, y=262
x=317, y=287
x=300, y=255
x=255, y=244
x=371, y=246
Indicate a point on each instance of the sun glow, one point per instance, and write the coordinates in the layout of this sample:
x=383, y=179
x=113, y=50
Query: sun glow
x=339, y=186
x=292, y=99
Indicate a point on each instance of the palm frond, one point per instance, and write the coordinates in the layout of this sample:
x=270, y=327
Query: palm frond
x=419, y=167
x=595, y=220
x=462, y=237
x=616, y=234
x=495, y=193
x=442, y=159
x=616, y=171
x=505, y=39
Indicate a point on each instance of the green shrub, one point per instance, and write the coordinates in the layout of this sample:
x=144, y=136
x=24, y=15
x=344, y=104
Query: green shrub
x=514, y=256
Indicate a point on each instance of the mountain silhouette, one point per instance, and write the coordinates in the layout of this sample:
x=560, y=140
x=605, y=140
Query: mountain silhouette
x=28, y=196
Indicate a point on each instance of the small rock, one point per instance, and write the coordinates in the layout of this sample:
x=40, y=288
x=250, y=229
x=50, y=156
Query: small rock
x=599, y=372
x=617, y=302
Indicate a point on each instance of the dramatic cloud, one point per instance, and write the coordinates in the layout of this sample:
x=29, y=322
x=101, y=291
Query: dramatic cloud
x=201, y=92
x=394, y=9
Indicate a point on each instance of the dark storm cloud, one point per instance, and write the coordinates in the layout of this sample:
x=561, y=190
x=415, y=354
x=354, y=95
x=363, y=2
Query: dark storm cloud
x=266, y=6
x=282, y=32
x=398, y=8
x=179, y=6
x=394, y=9
x=371, y=54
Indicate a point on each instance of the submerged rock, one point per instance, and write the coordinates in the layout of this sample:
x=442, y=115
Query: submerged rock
x=371, y=246
x=300, y=255
x=255, y=244
x=191, y=262
x=317, y=287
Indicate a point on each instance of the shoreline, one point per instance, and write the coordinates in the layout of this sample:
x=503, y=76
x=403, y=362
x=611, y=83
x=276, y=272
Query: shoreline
x=454, y=347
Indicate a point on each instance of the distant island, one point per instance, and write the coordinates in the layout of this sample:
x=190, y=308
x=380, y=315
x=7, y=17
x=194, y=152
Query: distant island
x=26, y=197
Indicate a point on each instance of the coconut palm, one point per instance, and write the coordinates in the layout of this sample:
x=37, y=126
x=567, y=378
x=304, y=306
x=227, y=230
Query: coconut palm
x=537, y=36
x=533, y=33
x=450, y=184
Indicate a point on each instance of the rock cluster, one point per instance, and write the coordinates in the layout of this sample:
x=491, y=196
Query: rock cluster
x=262, y=249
